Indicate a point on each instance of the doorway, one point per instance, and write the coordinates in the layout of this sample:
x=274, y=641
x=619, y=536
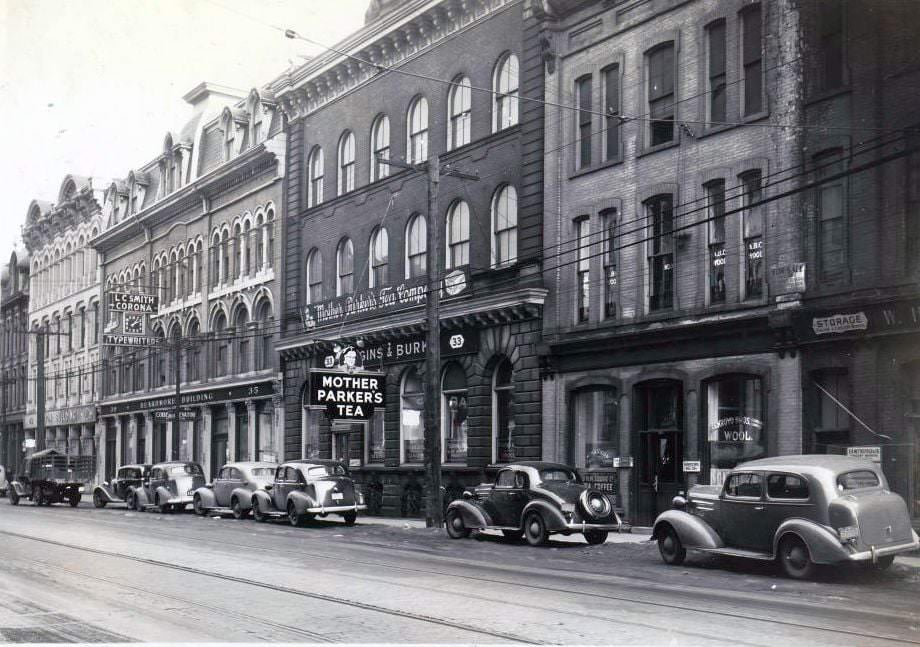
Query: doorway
x=219, y=440
x=159, y=442
x=141, y=456
x=110, y=447
x=659, y=443
x=346, y=442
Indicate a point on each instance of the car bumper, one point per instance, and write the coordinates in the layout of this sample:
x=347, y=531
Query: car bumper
x=583, y=526
x=875, y=552
x=179, y=500
x=336, y=508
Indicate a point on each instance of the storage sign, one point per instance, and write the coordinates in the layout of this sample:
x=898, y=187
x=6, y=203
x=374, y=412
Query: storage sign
x=347, y=396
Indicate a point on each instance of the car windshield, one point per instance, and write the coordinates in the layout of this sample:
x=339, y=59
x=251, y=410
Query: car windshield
x=326, y=470
x=263, y=472
x=182, y=470
x=857, y=480
x=559, y=475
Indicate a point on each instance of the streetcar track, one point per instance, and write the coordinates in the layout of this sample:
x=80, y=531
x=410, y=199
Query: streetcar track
x=284, y=589
x=658, y=588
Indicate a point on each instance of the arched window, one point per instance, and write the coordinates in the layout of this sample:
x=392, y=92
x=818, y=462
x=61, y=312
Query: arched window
x=458, y=235
x=504, y=226
x=193, y=352
x=246, y=249
x=221, y=345
x=595, y=424
x=380, y=147
x=459, y=113
x=243, y=345
x=346, y=163
x=505, y=85
x=416, y=247
x=314, y=277
x=266, y=334
x=225, y=269
x=199, y=256
x=380, y=258
x=345, y=268
x=411, y=409
x=417, y=145
x=182, y=273
x=215, y=260
x=229, y=138
x=315, y=185
x=502, y=414
x=237, y=252
x=268, y=240
x=454, y=409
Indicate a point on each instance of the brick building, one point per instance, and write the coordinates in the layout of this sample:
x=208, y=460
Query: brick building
x=14, y=357
x=665, y=329
x=199, y=227
x=858, y=330
x=356, y=256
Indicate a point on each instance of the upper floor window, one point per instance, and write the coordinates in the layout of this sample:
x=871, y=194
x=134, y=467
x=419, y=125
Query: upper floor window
x=346, y=163
x=315, y=185
x=752, y=224
x=715, y=204
x=583, y=268
x=752, y=59
x=504, y=226
x=583, y=97
x=380, y=148
x=661, y=105
x=380, y=258
x=458, y=235
x=416, y=247
x=418, y=131
x=611, y=78
x=345, y=268
x=505, y=87
x=715, y=45
x=831, y=217
x=229, y=138
x=830, y=44
x=314, y=277
x=608, y=219
x=660, y=215
x=459, y=117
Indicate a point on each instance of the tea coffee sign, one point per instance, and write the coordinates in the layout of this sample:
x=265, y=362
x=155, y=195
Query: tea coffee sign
x=347, y=396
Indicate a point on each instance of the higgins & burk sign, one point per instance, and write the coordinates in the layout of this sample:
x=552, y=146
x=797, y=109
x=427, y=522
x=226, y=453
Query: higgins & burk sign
x=347, y=396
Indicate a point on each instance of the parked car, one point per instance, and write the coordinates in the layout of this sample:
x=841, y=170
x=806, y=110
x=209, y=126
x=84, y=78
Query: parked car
x=4, y=485
x=534, y=499
x=798, y=510
x=308, y=488
x=52, y=477
x=168, y=486
x=232, y=490
x=116, y=490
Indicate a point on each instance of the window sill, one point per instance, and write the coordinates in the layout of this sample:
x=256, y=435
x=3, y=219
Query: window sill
x=824, y=95
x=594, y=169
x=715, y=130
x=757, y=116
x=648, y=150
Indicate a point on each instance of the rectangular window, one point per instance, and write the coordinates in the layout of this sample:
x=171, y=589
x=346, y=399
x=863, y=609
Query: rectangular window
x=831, y=416
x=830, y=45
x=583, y=90
x=753, y=235
x=735, y=425
x=609, y=223
x=752, y=60
x=612, y=113
x=715, y=202
x=717, y=96
x=831, y=221
x=661, y=252
x=244, y=356
x=583, y=268
x=661, y=107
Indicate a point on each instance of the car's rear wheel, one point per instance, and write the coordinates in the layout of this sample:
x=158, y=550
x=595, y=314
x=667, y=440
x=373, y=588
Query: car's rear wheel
x=98, y=501
x=237, y=507
x=198, y=506
x=670, y=547
x=456, y=529
x=595, y=537
x=535, y=529
x=350, y=518
x=513, y=535
x=883, y=563
x=39, y=497
x=294, y=517
x=74, y=499
x=14, y=496
x=257, y=513
x=162, y=508
x=795, y=559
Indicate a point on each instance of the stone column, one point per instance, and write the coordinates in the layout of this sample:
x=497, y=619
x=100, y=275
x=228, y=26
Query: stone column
x=231, y=430
x=251, y=414
x=278, y=427
x=148, y=437
x=169, y=440
x=100, y=450
x=118, y=450
x=132, y=437
x=206, y=422
x=73, y=440
x=187, y=440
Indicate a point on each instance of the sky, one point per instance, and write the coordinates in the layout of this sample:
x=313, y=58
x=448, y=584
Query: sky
x=91, y=87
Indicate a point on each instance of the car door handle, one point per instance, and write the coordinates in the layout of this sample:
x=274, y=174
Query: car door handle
x=758, y=507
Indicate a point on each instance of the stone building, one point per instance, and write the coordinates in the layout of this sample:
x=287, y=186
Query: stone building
x=14, y=357
x=198, y=226
x=356, y=253
x=63, y=301
x=665, y=353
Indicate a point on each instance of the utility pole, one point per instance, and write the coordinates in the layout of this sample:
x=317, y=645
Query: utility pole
x=176, y=414
x=41, y=336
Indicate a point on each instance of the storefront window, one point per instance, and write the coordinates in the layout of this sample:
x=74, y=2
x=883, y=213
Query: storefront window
x=595, y=418
x=913, y=416
x=502, y=421
x=242, y=434
x=310, y=432
x=454, y=408
x=264, y=434
x=411, y=433
x=376, y=451
x=734, y=422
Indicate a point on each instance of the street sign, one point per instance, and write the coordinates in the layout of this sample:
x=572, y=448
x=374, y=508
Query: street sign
x=873, y=454
x=169, y=414
x=623, y=461
x=691, y=467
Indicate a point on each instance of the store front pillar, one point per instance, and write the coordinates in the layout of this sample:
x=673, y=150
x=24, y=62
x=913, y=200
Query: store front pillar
x=231, y=431
x=148, y=437
x=252, y=431
x=119, y=450
x=206, y=434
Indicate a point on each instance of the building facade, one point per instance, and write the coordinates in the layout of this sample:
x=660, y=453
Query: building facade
x=199, y=228
x=14, y=358
x=670, y=254
x=356, y=252
x=64, y=308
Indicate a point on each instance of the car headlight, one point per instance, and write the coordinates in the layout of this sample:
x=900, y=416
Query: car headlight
x=848, y=534
x=568, y=508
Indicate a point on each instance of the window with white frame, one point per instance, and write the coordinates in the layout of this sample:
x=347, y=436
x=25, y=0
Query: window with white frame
x=345, y=268
x=661, y=104
x=346, y=177
x=380, y=148
x=380, y=258
x=417, y=145
x=314, y=277
x=504, y=226
x=416, y=247
x=752, y=230
x=505, y=92
x=315, y=185
x=458, y=235
x=459, y=117
x=715, y=205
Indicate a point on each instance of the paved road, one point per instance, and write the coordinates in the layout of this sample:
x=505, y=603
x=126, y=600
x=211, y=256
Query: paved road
x=86, y=575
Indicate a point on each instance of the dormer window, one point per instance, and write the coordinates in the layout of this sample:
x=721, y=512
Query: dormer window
x=229, y=137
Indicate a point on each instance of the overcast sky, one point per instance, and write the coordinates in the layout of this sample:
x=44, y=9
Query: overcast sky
x=91, y=87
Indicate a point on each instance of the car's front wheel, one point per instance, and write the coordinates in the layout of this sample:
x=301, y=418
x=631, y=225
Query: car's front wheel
x=350, y=518
x=14, y=496
x=670, y=547
x=198, y=506
x=98, y=501
x=795, y=559
x=237, y=507
x=456, y=529
x=535, y=529
x=294, y=517
x=74, y=499
x=595, y=537
x=883, y=563
x=257, y=513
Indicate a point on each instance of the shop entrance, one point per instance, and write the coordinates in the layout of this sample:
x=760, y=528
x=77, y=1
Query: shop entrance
x=659, y=444
x=110, y=446
x=346, y=442
x=220, y=439
x=159, y=442
x=141, y=456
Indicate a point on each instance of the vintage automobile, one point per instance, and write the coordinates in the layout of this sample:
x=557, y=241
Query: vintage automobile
x=169, y=486
x=308, y=488
x=52, y=477
x=534, y=499
x=232, y=490
x=797, y=510
x=4, y=486
x=116, y=490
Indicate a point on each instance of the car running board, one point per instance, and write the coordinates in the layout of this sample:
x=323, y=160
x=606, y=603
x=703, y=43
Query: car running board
x=737, y=552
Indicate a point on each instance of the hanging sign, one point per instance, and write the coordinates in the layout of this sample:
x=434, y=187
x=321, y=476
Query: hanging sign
x=127, y=320
x=691, y=467
x=133, y=302
x=347, y=396
x=169, y=414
